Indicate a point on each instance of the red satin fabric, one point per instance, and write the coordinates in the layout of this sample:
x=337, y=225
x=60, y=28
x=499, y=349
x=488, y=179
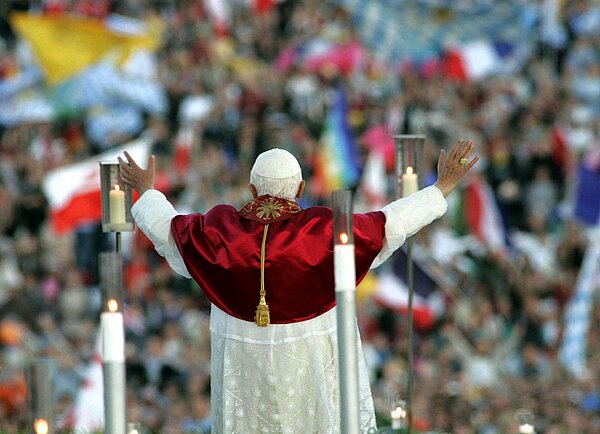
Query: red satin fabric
x=221, y=250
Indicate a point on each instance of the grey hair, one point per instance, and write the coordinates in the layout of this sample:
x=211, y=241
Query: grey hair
x=285, y=188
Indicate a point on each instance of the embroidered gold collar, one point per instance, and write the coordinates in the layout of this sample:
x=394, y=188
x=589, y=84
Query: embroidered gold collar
x=269, y=209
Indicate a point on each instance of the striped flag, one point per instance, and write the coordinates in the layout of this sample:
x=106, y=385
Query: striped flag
x=476, y=60
x=392, y=292
x=337, y=161
x=578, y=312
x=477, y=213
x=73, y=191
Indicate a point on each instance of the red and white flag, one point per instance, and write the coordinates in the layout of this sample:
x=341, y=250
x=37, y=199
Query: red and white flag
x=73, y=191
x=477, y=212
x=471, y=61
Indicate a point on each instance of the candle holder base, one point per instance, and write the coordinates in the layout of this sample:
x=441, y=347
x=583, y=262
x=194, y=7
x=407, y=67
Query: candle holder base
x=117, y=227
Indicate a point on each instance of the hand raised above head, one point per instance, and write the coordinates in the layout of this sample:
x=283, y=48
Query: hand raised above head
x=453, y=167
x=136, y=177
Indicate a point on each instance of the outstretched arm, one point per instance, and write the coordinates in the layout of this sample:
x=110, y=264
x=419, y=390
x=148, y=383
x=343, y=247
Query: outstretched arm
x=406, y=216
x=152, y=212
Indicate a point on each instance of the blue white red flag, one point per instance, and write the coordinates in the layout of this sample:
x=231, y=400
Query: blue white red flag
x=392, y=292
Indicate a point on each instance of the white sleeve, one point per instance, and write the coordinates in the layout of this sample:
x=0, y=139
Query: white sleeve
x=153, y=214
x=405, y=217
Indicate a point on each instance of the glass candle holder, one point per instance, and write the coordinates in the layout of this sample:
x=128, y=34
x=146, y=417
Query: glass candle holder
x=343, y=241
x=398, y=414
x=410, y=163
x=40, y=381
x=117, y=199
x=111, y=318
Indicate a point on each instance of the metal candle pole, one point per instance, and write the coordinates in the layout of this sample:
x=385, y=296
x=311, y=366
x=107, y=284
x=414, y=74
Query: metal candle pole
x=410, y=172
x=116, y=217
x=40, y=375
x=345, y=297
x=113, y=342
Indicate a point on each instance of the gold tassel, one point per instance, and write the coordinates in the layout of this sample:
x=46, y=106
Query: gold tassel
x=262, y=316
x=263, y=319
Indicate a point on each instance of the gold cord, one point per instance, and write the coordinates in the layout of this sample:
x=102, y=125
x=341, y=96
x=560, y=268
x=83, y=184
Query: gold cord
x=262, y=317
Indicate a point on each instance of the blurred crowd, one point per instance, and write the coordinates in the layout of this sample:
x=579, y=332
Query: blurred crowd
x=494, y=350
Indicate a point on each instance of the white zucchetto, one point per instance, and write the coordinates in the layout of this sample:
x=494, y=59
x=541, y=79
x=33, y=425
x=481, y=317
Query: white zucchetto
x=276, y=164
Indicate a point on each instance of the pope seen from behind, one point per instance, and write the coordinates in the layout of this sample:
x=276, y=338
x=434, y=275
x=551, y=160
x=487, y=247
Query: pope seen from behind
x=267, y=270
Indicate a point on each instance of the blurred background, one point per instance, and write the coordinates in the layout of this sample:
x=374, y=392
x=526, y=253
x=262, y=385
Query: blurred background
x=507, y=315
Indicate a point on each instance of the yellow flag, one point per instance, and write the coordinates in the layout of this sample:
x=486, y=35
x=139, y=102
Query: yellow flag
x=65, y=45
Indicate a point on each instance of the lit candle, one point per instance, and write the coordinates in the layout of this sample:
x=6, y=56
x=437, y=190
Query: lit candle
x=343, y=263
x=410, y=182
x=113, y=334
x=526, y=429
x=344, y=238
x=40, y=426
x=117, y=205
x=398, y=414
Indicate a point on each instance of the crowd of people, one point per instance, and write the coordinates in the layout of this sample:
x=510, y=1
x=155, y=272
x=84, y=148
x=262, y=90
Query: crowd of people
x=493, y=351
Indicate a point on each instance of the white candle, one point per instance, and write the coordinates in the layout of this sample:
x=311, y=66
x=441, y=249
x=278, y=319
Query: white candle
x=410, y=182
x=343, y=264
x=113, y=334
x=526, y=429
x=398, y=414
x=117, y=205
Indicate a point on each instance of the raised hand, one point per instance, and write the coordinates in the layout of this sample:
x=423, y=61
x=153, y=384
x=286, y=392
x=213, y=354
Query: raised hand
x=136, y=177
x=452, y=169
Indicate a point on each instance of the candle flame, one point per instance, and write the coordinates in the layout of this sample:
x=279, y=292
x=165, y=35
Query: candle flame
x=40, y=426
x=112, y=305
x=344, y=238
x=398, y=413
x=409, y=170
x=117, y=187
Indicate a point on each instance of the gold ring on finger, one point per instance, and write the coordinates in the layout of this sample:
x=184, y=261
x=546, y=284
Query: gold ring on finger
x=463, y=161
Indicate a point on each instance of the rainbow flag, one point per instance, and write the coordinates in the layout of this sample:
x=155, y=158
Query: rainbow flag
x=337, y=161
